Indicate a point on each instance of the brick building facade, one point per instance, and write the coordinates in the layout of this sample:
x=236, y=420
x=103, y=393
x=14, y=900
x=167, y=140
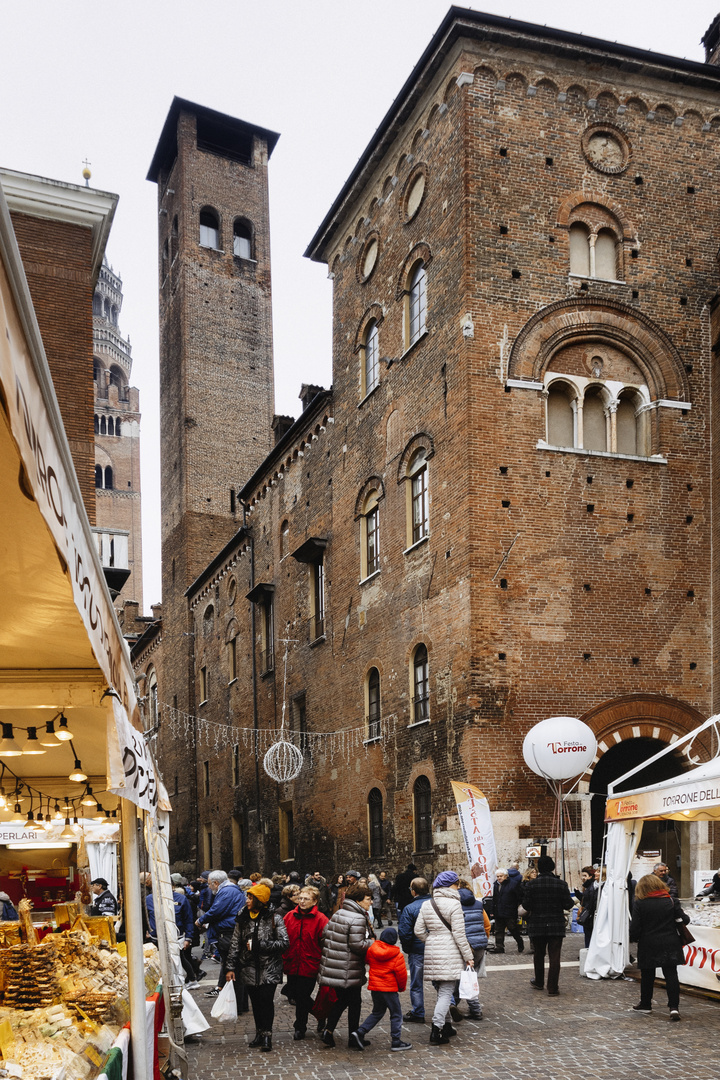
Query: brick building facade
x=117, y=444
x=501, y=511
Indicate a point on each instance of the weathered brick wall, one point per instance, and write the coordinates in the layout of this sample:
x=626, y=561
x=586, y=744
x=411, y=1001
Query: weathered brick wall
x=57, y=258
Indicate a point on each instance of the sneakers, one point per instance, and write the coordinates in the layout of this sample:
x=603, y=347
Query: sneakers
x=412, y=1018
x=298, y=1035
x=674, y=1014
x=643, y=1009
x=201, y=975
x=212, y=993
x=521, y=945
x=400, y=1045
x=328, y=1040
x=536, y=985
x=356, y=1041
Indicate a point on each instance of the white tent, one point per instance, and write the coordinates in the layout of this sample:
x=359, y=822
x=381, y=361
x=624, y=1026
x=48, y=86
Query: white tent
x=692, y=796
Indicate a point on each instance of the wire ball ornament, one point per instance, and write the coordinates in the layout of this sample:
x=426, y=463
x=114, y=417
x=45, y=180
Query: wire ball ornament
x=283, y=761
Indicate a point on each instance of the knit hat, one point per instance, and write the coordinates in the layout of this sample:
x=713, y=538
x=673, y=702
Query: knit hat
x=445, y=879
x=234, y=875
x=353, y=873
x=545, y=865
x=205, y=874
x=389, y=936
x=261, y=892
x=176, y=879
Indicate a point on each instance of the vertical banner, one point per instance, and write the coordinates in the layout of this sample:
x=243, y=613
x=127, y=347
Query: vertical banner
x=477, y=830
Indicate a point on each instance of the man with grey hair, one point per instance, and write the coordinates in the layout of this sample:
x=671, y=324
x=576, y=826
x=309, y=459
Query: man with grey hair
x=506, y=900
x=660, y=870
x=228, y=900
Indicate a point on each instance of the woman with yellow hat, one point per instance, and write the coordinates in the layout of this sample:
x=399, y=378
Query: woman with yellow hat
x=255, y=958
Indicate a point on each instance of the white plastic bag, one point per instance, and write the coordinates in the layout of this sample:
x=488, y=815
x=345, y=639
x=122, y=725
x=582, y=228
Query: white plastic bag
x=225, y=1006
x=469, y=988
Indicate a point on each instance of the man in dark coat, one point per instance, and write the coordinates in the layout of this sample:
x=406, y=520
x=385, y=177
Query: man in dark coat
x=546, y=899
x=507, y=892
x=403, y=896
x=104, y=902
x=660, y=870
x=414, y=948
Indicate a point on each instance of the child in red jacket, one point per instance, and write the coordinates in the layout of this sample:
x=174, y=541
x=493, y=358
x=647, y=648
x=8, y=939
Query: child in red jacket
x=388, y=977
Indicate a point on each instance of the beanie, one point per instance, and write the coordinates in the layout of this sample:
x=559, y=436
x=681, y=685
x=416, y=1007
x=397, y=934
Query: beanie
x=389, y=936
x=176, y=879
x=445, y=879
x=545, y=865
x=261, y=892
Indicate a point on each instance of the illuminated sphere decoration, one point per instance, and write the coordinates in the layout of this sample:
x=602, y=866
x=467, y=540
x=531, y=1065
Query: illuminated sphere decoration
x=283, y=761
x=559, y=747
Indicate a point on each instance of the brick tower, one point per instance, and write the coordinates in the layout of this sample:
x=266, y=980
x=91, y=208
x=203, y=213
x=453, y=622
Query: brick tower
x=117, y=444
x=216, y=364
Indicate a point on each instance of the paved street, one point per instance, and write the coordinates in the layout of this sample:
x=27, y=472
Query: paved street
x=587, y=1033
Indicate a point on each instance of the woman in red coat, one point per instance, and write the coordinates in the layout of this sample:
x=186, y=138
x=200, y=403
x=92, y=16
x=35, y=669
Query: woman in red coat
x=305, y=925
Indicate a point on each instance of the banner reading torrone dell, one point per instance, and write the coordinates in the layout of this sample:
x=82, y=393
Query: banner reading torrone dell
x=476, y=824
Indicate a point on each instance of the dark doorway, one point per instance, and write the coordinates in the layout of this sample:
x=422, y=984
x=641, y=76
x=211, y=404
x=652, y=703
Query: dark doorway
x=657, y=835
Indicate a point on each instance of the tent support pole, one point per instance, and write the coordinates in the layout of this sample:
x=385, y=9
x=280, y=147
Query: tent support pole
x=134, y=938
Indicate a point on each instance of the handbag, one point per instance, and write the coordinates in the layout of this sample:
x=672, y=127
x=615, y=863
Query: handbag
x=325, y=998
x=684, y=934
x=583, y=916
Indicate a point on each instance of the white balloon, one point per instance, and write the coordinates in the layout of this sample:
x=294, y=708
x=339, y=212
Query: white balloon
x=559, y=747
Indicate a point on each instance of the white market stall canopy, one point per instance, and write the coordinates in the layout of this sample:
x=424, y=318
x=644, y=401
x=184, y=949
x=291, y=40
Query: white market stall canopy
x=61, y=647
x=691, y=796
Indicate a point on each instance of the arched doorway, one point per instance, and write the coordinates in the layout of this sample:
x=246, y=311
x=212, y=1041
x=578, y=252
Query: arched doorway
x=663, y=836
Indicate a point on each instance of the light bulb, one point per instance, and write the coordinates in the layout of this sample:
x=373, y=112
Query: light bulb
x=17, y=818
x=99, y=814
x=64, y=733
x=77, y=773
x=68, y=832
x=48, y=737
x=8, y=746
x=88, y=799
x=49, y=823
x=3, y=800
x=57, y=815
x=30, y=822
x=32, y=744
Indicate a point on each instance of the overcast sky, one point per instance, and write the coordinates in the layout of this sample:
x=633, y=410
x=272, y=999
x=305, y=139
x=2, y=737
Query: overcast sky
x=95, y=80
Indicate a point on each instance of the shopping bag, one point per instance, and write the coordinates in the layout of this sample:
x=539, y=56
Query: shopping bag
x=469, y=988
x=225, y=1006
x=324, y=1001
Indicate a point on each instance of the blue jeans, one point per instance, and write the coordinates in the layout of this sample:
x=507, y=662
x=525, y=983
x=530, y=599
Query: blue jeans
x=417, y=964
x=384, y=1001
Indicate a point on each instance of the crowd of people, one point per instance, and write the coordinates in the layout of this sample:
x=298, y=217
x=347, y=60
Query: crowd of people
x=317, y=940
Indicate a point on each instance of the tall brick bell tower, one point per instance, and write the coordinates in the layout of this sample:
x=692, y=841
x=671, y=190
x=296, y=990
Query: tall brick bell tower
x=216, y=371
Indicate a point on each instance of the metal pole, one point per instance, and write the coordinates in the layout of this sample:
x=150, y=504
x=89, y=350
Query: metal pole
x=142, y=1069
x=561, y=808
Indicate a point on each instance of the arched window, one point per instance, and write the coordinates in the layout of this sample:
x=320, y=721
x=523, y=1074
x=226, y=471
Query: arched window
x=419, y=511
x=116, y=377
x=242, y=239
x=114, y=315
x=111, y=426
x=284, y=537
x=371, y=358
x=606, y=255
x=153, y=697
x=108, y=477
x=174, y=240
x=375, y=823
x=421, y=685
x=579, y=249
x=593, y=252
x=97, y=304
x=416, y=304
x=630, y=425
x=98, y=370
x=560, y=419
x=97, y=425
x=370, y=535
x=107, y=310
x=165, y=259
x=98, y=476
x=209, y=228
x=594, y=421
x=422, y=814
x=103, y=425
x=373, y=704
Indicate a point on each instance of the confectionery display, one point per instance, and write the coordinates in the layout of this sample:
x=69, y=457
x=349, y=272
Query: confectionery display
x=705, y=913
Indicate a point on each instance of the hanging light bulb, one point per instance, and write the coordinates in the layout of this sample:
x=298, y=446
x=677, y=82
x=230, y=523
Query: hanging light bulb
x=57, y=815
x=32, y=744
x=99, y=814
x=17, y=818
x=68, y=832
x=8, y=746
x=48, y=737
x=76, y=825
x=88, y=799
x=30, y=821
x=3, y=800
x=49, y=823
x=64, y=733
x=77, y=773
x=40, y=819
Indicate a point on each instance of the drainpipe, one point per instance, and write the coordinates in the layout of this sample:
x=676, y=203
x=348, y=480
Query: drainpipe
x=256, y=721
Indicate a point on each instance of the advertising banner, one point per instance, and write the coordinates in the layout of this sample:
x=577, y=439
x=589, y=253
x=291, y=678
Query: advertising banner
x=476, y=824
x=702, y=958
x=131, y=770
x=693, y=799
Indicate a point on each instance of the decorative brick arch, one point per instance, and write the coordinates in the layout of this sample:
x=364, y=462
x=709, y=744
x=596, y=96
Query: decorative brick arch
x=645, y=716
x=375, y=312
x=422, y=768
x=576, y=198
x=570, y=321
x=373, y=483
x=420, y=253
x=421, y=441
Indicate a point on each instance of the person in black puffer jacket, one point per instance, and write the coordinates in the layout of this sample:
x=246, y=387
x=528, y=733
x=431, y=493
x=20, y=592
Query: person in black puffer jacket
x=255, y=958
x=346, y=940
x=507, y=891
x=655, y=920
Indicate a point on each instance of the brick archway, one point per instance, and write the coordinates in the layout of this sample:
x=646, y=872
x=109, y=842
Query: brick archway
x=649, y=716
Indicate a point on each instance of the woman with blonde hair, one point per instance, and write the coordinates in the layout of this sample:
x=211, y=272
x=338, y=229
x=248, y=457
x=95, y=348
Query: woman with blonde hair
x=656, y=920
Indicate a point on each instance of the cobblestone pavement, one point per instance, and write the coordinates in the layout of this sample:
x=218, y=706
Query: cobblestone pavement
x=588, y=1032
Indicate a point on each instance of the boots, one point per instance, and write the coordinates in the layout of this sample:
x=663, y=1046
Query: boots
x=266, y=1040
x=438, y=1036
x=448, y=1031
x=257, y=1041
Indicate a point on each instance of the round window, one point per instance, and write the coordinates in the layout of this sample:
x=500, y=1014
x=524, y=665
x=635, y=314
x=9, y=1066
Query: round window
x=415, y=196
x=232, y=591
x=369, y=258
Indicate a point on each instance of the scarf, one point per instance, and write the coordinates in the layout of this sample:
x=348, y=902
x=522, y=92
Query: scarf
x=656, y=893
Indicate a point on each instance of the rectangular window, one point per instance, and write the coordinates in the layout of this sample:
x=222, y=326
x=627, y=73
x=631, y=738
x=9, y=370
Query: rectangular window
x=206, y=777
x=203, y=685
x=207, y=845
x=268, y=633
x=419, y=496
x=238, y=842
x=241, y=247
x=373, y=717
x=287, y=835
x=299, y=719
x=236, y=765
x=372, y=545
x=317, y=628
x=232, y=659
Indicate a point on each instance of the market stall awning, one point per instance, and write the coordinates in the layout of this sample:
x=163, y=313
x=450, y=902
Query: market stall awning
x=692, y=796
